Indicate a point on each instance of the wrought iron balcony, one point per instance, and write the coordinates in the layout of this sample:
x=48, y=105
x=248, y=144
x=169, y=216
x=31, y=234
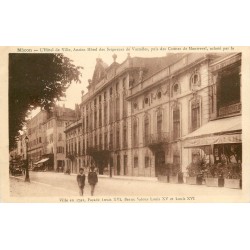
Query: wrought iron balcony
x=156, y=139
x=98, y=151
x=71, y=155
x=230, y=109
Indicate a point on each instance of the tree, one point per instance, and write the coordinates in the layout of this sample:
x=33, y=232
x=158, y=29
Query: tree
x=36, y=80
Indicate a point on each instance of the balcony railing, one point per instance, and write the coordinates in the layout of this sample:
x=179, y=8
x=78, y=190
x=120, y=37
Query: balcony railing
x=158, y=138
x=230, y=109
x=71, y=155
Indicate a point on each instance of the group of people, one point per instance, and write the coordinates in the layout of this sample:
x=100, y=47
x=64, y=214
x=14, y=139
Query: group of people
x=92, y=180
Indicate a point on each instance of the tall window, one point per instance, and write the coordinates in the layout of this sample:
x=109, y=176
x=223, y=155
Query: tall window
x=83, y=146
x=159, y=122
x=147, y=161
x=95, y=119
x=111, y=105
x=146, y=129
x=117, y=137
x=105, y=114
x=100, y=116
x=90, y=121
x=195, y=115
x=79, y=148
x=125, y=164
x=95, y=140
x=83, y=124
x=118, y=108
x=100, y=140
x=136, y=161
x=106, y=140
x=176, y=123
x=87, y=123
x=135, y=132
x=111, y=139
x=125, y=142
x=125, y=106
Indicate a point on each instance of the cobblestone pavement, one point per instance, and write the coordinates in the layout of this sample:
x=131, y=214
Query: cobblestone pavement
x=58, y=184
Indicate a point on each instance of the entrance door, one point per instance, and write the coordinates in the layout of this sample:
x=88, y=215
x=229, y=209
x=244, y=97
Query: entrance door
x=125, y=164
x=99, y=160
x=159, y=162
x=118, y=165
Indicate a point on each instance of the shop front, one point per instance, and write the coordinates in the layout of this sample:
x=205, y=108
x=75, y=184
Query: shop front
x=215, y=153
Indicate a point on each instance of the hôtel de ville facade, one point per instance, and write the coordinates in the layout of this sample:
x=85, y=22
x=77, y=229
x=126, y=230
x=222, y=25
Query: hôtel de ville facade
x=145, y=113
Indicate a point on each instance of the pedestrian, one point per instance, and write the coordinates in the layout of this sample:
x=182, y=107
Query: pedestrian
x=92, y=179
x=81, y=181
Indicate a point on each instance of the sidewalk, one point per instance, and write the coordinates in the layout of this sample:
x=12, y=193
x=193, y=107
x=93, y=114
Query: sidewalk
x=19, y=188
x=125, y=177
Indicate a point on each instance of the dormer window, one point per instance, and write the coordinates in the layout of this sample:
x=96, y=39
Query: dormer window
x=176, y=89
x=159, y=95
x=194, y=80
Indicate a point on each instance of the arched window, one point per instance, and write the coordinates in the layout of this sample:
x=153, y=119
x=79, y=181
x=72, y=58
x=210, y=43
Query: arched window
x=194, y=80
x=159, y=94
x=175, y=89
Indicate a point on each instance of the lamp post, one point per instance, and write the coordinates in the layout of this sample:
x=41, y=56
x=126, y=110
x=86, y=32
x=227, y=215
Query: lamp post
x=27, y=177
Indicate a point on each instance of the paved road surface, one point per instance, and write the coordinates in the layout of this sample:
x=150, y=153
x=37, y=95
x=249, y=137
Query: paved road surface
x=57, y=184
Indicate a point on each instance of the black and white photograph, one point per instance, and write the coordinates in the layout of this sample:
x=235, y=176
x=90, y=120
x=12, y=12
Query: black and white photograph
x=125, y=124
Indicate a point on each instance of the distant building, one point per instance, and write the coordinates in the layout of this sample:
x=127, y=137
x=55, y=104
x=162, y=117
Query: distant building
x=47, y=138
x=35, y=133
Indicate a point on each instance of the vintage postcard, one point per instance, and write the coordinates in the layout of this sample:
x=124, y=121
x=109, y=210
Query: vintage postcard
x=125, y=124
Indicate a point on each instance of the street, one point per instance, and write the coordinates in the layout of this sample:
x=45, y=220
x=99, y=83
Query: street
x=51, y=184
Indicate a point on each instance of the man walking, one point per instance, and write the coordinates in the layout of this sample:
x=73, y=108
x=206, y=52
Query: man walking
x=81, y=181
x=92, y=179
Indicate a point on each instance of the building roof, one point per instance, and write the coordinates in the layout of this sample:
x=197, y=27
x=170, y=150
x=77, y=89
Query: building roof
x=104, y=74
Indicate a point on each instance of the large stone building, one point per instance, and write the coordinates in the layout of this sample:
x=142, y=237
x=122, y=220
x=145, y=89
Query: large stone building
x=142, y=114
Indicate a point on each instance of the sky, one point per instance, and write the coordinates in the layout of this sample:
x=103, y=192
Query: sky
x=88, y=61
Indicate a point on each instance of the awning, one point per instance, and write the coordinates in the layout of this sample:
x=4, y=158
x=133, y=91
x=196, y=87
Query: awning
x=41, y=161
x=221, y=131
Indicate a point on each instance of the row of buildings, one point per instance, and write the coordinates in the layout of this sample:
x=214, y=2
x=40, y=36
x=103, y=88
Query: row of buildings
x=46, y=144
x=145, y=113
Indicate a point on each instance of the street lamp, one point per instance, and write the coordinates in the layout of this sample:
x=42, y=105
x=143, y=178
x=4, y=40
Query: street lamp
x=27, y=177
